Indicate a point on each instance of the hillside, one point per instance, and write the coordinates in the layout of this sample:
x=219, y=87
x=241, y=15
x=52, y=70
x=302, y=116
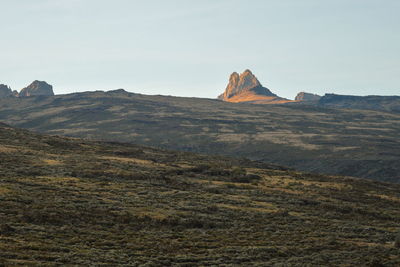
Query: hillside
x=359, y=143
x=373, y=102
x=69, y=201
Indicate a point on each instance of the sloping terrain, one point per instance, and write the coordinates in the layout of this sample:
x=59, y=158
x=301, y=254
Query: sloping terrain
x=359, y=143
x=67, y=201
x=373, y=102
x=253, y=98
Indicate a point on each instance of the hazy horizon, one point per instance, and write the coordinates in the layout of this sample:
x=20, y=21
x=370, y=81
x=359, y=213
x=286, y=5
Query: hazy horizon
x=189, y=49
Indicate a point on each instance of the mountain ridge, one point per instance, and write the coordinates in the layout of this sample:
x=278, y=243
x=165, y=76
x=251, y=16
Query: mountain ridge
x=246, y=88
x=373, y=102
x=359, y=143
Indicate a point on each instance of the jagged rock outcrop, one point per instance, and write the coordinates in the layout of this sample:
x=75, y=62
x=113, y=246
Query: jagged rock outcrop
x=303, y=96
x=5, y=91
x=246, y=88
x=15, y=93
x=37, y=88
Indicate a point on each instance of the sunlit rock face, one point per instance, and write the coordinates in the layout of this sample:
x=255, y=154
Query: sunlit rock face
x=37, y=88
x=242, y=83
x=303, y=96
x=5, y=91
x=246, y=88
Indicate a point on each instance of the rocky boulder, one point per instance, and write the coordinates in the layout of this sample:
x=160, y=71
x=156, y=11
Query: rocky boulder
x=5, y=91
x=37, y=88
x=303, y=96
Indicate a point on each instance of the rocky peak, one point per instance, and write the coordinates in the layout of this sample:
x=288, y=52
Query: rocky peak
x=233, y=82
x=303, y=96
x=37, y=88
x=245, y=82
x=5, y=91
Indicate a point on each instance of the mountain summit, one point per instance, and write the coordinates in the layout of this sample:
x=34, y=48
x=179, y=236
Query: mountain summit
x=246, y=88
x=37, y=88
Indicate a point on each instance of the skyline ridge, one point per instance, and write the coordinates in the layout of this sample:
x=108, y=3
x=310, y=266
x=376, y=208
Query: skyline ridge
x=246, y=74
x=311, y=46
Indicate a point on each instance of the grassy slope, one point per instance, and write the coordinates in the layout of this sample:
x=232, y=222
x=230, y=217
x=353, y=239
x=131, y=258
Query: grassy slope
x=69, y=201
x=344, y=142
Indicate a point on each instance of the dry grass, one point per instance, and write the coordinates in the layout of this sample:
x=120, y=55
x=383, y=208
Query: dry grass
x=81, y=203
x=359, y=143
x=52, y=162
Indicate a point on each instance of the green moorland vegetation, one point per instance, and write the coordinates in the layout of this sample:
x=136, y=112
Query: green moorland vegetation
x=360, y=143
x=66, y=201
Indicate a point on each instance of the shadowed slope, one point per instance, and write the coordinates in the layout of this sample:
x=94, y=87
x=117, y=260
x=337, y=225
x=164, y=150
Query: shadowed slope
x=359, y=143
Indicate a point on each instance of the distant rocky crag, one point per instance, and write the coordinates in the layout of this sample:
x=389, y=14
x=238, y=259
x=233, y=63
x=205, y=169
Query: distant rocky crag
x=5, y=91
x=36, y=88
x=245, y=87
x=303, y=96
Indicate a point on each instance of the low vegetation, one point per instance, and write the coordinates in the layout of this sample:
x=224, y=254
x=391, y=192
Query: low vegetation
x=358, y=143
x=66, y=201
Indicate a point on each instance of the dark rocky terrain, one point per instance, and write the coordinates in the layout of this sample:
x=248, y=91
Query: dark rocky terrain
x=361, y=143
x=384, y=103
x=72, y=202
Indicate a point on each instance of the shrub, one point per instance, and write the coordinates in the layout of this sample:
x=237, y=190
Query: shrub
x=6, y=229
x=210, y=169
x=376, y=263
x=240, y=175
x=397, y=241
x=200, y=168
x=238, y=172
x=130, y=153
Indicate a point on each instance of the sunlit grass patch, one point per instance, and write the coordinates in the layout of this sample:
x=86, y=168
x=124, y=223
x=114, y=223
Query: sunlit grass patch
x=269, y=209
x=8, y=149
x=131, y=160
x=5, y=190
x=52, y=162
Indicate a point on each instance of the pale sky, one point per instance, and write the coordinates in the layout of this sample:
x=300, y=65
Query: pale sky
x=190, y=47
